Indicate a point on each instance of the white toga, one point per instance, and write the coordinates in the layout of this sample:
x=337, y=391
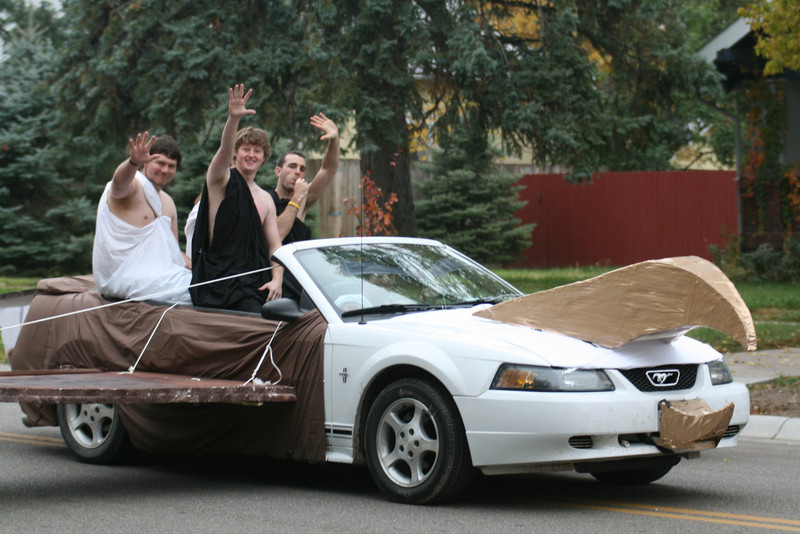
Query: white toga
x=191, y=220
x=130, y=262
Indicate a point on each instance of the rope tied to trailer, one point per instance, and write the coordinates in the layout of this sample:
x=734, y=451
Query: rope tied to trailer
x=132, y=368
x=268, y=348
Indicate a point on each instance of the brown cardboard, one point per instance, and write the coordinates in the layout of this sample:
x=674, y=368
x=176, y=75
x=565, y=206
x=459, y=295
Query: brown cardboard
x=691, y=425
x=656, y=298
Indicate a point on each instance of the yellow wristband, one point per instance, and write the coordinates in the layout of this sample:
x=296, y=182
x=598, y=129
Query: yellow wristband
x=295, y=204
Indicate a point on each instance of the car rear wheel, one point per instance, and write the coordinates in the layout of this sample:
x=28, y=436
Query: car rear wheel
x=93, y=432
x=415, y=445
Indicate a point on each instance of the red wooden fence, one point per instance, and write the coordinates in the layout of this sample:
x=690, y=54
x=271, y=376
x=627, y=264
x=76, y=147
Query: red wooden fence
x=627, y=217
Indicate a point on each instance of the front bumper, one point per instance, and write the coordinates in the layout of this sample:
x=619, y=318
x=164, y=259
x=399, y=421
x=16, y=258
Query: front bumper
x=510, y=431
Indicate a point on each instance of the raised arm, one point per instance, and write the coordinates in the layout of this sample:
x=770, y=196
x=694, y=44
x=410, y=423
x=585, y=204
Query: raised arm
x=219, y=169
x=330, y=162
x=122, y=185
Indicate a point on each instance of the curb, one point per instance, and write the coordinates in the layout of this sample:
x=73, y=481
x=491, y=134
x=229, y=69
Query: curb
x=772, y=427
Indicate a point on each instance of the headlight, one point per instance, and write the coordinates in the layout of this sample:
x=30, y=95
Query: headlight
x=531, y=378
x=720, y=374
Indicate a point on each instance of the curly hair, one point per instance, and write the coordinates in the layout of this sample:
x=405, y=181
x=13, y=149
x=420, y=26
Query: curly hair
x=255, y=137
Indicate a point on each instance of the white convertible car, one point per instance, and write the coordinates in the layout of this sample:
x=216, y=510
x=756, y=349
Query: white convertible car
x=432, y=367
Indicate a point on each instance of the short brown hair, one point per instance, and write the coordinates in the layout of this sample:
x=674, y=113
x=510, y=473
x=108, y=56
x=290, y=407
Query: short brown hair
x=255, y=137
x=168, y=146
x=282, y=159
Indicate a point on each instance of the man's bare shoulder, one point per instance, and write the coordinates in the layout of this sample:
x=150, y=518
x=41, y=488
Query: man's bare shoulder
x=263, y=201
x=259, y=193
x=165, y=197
x=167, y=202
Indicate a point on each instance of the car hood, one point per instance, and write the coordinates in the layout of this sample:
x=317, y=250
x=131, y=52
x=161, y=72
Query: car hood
x=460, y=330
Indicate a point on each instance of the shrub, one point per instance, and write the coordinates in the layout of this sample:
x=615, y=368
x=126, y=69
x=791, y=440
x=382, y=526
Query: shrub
x=766, y=264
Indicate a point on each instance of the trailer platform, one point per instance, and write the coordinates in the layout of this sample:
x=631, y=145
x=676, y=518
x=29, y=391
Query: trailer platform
x=75, y=386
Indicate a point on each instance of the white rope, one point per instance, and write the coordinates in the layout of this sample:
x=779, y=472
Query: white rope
x=132, y=368
x=137, y=299
x=268, y=348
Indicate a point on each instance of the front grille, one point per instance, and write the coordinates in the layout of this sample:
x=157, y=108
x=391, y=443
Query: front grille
x=638, y=377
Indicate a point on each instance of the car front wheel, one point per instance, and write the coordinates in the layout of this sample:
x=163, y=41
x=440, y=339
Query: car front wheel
x=415, y=444
x=93, y=432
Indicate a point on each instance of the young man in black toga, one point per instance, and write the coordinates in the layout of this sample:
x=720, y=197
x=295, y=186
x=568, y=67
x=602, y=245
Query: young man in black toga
x=236, y=229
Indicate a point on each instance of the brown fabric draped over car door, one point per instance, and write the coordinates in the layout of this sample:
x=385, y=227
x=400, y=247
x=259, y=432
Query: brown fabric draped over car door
x=192, y=342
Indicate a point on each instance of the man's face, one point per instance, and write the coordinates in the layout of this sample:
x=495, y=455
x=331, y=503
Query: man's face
x=161, y=170
x=249, y=158
x=294, y=168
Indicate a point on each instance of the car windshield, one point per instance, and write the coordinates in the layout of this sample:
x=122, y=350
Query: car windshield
x=390, y=278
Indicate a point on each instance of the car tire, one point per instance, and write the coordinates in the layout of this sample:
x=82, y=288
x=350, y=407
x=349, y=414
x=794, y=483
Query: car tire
x=93, y=432
x=633, y=477
x=415, y=445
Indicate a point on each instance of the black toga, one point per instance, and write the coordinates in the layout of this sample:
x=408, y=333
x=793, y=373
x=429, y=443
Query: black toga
x=239, y=246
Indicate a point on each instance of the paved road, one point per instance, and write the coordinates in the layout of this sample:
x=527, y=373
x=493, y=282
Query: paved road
x=750, y=488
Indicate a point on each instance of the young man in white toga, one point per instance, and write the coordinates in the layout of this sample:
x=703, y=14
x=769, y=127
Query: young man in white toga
x=136, y=251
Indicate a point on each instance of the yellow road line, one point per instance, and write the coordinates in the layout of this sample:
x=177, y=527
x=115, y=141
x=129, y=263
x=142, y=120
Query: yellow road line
x=789, y=525
x=36, y=440
x=700, y=512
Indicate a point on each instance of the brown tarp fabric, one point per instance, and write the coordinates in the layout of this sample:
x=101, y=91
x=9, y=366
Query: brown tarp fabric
x=191, y=342
x=656, y=298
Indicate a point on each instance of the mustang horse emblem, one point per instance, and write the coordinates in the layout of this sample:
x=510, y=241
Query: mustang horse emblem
x=663, y=377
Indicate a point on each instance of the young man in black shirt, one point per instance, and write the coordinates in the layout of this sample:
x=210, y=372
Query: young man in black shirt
x=292, y=195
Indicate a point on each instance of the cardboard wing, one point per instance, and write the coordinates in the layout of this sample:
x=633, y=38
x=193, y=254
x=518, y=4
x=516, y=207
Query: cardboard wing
x=652, y=299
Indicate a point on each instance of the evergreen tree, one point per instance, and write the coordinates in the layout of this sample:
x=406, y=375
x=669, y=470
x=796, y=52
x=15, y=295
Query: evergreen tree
x=166, y=67
x=46, y=223
x=468, y=204
x=577, y=82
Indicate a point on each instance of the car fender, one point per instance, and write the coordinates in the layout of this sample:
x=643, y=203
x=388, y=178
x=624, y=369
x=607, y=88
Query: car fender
x=470, y=377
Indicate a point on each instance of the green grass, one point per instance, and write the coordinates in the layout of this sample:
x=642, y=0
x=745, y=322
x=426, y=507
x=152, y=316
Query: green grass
x=11, y=285
x=533, y=280
x=780, y=382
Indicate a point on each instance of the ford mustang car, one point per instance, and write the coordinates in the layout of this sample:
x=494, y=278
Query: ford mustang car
x=408, y=356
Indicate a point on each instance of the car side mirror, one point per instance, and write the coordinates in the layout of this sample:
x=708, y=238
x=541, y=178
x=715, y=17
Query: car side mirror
x=283, y=309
